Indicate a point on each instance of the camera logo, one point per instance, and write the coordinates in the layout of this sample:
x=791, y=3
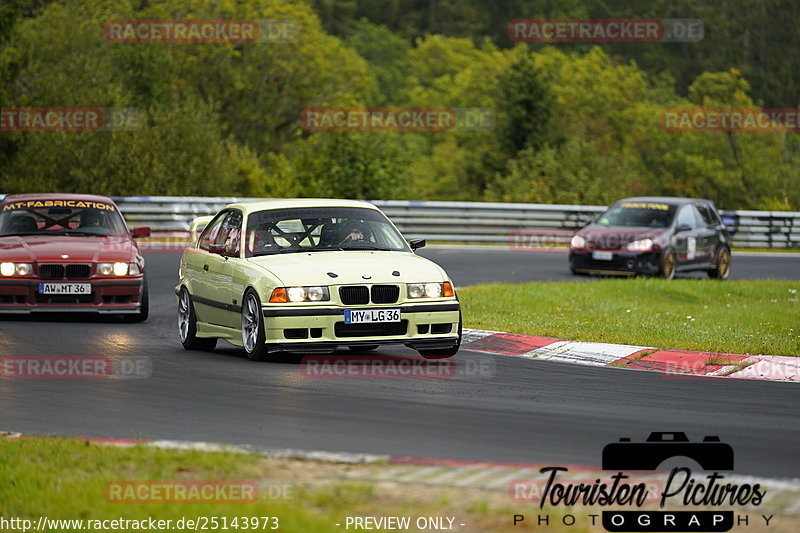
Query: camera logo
x=710, y=454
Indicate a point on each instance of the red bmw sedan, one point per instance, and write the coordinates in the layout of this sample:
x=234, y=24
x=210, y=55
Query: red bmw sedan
x=70, y=253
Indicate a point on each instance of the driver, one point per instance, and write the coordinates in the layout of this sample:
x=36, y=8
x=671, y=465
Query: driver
x=91, y=218
x=353, y=231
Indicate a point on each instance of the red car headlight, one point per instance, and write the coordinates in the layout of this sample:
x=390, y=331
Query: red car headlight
x=577, y=242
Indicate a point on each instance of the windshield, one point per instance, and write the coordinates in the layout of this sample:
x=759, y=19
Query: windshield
x=638, y=214
x=60, y=217
x=313, y=229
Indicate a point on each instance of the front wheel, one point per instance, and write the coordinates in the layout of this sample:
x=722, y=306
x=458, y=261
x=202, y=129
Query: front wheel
x=253, y=337
x=187, y=325
x=667, y=268
x=722, y=269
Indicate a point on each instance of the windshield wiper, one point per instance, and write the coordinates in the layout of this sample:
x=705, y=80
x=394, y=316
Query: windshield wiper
x=370, y=248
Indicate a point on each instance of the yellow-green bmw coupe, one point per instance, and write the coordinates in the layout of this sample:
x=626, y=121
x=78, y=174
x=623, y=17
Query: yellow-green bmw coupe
x=311, y=276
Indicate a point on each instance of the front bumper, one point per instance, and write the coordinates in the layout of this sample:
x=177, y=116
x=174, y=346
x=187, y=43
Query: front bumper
x=108, y=296
x=622, y=263
x=425, y=326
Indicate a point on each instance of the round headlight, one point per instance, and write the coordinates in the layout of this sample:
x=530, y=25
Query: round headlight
x=315, y=294
x=7, y=269
x=296, y=294
x=433, y=290
x=577, y=242
x=24, y=269
x=120, y=269
x=416, y=290
x=105, y=269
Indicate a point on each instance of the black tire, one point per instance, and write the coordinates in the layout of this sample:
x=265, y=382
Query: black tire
x=445, y=353
x=187, y=325
x=364, y=348
x=144, y=309
x=722, y=264
x=668, y=263
x=253, y=338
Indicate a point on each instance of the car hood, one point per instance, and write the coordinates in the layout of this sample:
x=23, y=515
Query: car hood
x=615, y=238
x=350, y=267
x=47, y=248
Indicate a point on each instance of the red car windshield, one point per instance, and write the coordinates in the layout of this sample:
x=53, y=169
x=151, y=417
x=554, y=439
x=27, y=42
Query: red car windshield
x=64, y=218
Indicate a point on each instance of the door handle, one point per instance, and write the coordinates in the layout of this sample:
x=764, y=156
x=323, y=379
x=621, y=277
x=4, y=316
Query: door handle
x=205, y=267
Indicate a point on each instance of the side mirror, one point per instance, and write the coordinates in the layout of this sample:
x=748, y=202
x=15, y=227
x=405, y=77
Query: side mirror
x=416, y=244
x=140, y=231
x=682, y=227
x=218, y=249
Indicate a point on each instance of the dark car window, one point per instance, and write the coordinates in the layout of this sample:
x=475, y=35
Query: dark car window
x=230, y=233
x=210, y=234
x=687, y=216
x=638, y=214
x=706, y=215
x=63, y=217
x=304, y=229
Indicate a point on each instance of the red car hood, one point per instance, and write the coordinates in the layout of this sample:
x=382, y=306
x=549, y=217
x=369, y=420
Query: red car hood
x=615, y=238
x=50, y=248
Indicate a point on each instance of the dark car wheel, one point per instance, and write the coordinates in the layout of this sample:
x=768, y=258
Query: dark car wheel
x=667, y=267
x=253, y=336
x=445, y=352
x=722, y=267
x=187, y=325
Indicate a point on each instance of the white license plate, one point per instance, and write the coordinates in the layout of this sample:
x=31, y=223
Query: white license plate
x=65, y=288
x=603, y=256
x=360, y=316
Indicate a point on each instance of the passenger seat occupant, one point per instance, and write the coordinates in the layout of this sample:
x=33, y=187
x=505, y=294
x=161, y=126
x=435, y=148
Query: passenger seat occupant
x=260, y=239
x=23, y=224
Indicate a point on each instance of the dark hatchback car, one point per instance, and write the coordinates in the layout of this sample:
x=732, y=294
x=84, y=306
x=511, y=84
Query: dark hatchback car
x=654, y=236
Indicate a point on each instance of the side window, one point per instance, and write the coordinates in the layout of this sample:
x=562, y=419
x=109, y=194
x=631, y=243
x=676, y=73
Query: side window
x=231, y=233
x=210, y=234
x=687, y=216
x=706, y=215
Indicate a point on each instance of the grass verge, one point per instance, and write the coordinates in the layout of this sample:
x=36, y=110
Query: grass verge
x=746, y=317
x=66, y=479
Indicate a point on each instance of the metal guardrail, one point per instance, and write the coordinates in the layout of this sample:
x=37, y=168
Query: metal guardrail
x=471, y=222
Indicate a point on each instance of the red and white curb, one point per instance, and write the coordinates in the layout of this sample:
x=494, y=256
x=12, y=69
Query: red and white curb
x=672, y=362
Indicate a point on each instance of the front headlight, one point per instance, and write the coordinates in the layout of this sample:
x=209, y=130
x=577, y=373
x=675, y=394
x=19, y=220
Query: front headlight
x=16, y=269
x=117, y=269
x=430, y=290
x=577, y=242
x=300, y=294
x=642, y=245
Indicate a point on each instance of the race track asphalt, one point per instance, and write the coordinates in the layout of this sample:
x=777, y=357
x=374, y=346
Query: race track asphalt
x=492, y=409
